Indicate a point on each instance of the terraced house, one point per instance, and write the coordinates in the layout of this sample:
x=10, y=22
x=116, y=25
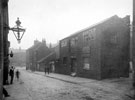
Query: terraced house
x=35, y=53
x=99, y=51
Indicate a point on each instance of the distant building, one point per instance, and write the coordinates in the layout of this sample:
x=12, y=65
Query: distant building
x=18, y=59
x=100, y=51
x=48, y=60
x=30, y=56
x=35, y=53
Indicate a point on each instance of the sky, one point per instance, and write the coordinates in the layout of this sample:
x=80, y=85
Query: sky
x=54, y=20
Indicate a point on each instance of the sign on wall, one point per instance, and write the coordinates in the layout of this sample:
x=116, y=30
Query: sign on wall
x=89, y=34
x=86, y=49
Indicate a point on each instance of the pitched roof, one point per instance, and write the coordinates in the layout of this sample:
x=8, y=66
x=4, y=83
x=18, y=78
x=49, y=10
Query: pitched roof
x=115, y=16
x=44, y=58
x=34, y=46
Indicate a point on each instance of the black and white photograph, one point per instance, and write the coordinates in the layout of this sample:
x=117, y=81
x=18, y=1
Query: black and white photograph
x=67, y=49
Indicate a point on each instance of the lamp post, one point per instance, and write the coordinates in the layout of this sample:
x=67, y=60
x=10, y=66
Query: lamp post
x=18, y=30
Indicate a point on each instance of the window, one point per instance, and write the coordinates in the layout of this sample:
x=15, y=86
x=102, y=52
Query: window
x=74, y=41
x=113, y=39
x=86, y=49
x=89, y=34
x=63, y=43
x=86, y=37
x=86, y=64
x=64, y=60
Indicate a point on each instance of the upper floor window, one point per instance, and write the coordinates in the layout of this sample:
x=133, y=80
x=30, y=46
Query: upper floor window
x=89, y=34
x=113, y=39
x=74, y=41
x=63, y=43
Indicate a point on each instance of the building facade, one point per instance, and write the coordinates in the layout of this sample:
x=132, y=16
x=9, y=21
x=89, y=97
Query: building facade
x=49, y=61
x=100, y=51
x=3, y=44
x=30, y=56
x=38, y=51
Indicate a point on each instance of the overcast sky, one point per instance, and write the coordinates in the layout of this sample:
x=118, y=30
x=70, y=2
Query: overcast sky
x=56, y=19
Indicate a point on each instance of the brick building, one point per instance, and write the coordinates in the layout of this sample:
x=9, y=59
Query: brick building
x=51, y=60
x=100, y=51
x=48, y=60
x=30, y=56
x=36, y=53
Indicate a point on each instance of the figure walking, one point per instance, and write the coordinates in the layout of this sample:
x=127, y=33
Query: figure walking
x=47, y=70
x=17, y=74
x=11, y=73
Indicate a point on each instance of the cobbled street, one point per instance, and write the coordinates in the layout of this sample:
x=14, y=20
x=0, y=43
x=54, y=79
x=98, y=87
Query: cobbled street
x=44, y=88
x=37, y=86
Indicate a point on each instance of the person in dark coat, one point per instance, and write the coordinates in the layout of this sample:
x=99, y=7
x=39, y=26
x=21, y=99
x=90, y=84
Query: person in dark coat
x=5, y=92
x=11, y=73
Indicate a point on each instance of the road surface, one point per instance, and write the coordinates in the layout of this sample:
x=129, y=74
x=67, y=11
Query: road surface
x=41, y=87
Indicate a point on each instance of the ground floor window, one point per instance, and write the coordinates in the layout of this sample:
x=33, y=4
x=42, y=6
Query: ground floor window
x=86, y=63
x=64, y=60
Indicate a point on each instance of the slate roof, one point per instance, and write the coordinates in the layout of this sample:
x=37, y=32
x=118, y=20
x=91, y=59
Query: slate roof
x=94, y=25
x=44, y=58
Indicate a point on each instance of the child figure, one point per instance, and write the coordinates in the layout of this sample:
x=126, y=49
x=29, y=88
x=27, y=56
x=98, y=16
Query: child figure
x=17, y=74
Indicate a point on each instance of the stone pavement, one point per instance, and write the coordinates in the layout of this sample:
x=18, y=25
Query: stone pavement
x=78, y=80
x=17, y=91
x=66, y=78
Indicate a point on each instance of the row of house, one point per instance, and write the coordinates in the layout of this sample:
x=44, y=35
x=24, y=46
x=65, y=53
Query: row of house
x=35, y=53
x=99, y=51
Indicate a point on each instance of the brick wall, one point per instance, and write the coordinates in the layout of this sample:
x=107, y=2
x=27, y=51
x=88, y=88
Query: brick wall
x=101, y=51
x=115, y=49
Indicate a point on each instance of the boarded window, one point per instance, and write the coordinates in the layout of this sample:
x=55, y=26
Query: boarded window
x=89, y=35
x=86, y=64
x=113, y=39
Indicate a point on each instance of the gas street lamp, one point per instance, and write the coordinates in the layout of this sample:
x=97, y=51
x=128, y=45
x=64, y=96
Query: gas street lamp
x=18, y=30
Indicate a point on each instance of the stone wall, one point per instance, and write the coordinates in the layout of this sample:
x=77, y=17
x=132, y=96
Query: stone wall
x=100, y=51
x=115, y=49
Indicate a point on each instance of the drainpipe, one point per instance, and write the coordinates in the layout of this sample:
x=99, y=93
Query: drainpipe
x=133, y=44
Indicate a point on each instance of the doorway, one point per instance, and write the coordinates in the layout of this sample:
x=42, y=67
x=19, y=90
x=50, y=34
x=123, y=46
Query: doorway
x=73, y=66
